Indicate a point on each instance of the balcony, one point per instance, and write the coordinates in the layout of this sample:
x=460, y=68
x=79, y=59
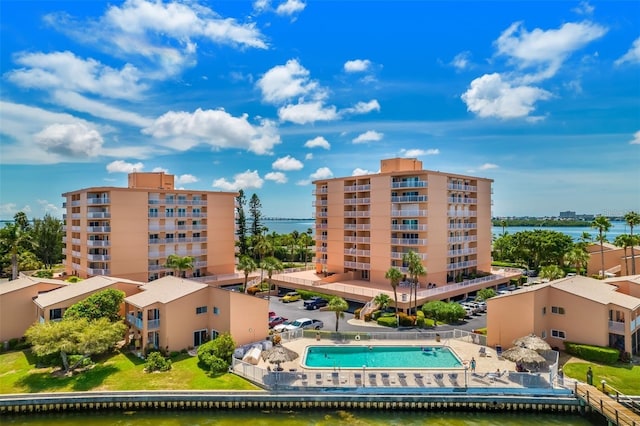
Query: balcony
x=76, y=203
x=356, y=252
x=455, y=200
x=462, y=239
x=322, y=190
x=617, y=327
x=462, y=252
x=357, y=188
x=462, y=213
x=462, y=265
x=322, y=226
x=319, y=203
x=98, y=215
x=92, y=271
x=351, y=201
x=156, y=267
x=322, y=238
x=98, y=257
x=400, y=255
x=199, y=264
x=75, y=229
x=357, y=265
x=97, y=243
x=408, y=213
x=321, y=214
x=461, y=187
x=409, y=227
x=321, y=249
x=409, y=199
x=365, y=240
x=409, y=241
x=153, y=324
x=360, y=213
x=134, y=321
x=74, y=216
x=98, y=200
x=409, y=184
x=98, y=229
x=357, y=227
x=463, y=226
x=321, y=261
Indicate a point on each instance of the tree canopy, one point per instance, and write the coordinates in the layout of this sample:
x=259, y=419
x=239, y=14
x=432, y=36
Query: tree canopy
x=104, y=304
x=533, y=248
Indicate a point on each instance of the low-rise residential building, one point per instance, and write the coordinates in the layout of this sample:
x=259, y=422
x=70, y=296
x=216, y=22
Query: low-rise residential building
x=575, y=309
x=175, y=313
x=617, y=260
x=17, y=312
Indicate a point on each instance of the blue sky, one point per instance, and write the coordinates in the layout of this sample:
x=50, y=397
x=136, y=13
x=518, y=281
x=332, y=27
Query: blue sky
x=542, y=97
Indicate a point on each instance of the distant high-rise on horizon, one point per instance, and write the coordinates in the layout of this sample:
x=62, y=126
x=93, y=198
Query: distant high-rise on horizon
x=365, y=224
x=130, y=232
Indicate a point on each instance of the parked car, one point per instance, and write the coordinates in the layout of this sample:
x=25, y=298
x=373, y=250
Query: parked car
x=315, y=302
x=292, y=296
x=277, y=320
x=306, y=323
x=272, y=314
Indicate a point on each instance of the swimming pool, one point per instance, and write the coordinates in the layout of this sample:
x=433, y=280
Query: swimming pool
x=380, y=357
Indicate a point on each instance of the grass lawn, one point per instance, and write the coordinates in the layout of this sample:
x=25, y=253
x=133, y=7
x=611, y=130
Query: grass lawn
x=119, y=371
x=622, y=377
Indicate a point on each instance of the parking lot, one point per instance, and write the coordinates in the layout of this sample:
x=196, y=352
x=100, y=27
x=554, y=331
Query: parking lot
x=295, y=310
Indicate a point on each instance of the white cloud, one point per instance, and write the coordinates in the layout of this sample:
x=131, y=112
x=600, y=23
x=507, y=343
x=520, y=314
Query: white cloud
x=216, y=128
x=284, y=82
x=490, y=96
x=64, y=70
x=290, y=7
x=633, y=54
x=419, y=152
x=363, y=107
x=246, y=180
x=361, y=172
x=584, y=8
x=636, y=138
x=322, y=173
x=357, y=65
x=277, y=177
x=48, y=207
x=99, y=109
x=120, y=166
x=461, y=61
x=368, y=136
x=488, y=166
x=160, y=169
x=303, y=113
x=73, y=140
x=8, y=210
x=309, y=156
x=318, y=142
x=261, y=5
x=186, y=179
x=287, y=163
x=545, y=51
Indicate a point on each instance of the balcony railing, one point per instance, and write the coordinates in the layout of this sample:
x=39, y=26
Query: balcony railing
x=462, y=213
x=617, y=327
x=97, y=243
x=351, y=201
x=322, y=237
x=408, y=213
x=98, y=215
x=321, y=261
x=460, y=187
x=400, y=255
x=462, y=252
x=365, y=240
x=356, y=252
x=98, y=229
x=322, y=226
x=153, y=324
x=462, y=265
x=322, y=190
x=409, y=241
x=134, y=321
x=409, y=199
x=320, y=203
x=321, y=249
x=98, y=257
x=96, y=200
x=357, y=227
x=356, y=188
x=92, y=271
x=156, y=267
x=463, y=239
x=409, y=184
x=357, y=265
x=455, y=200
x=359, y=213
x=321, y=214
x=410, y=227
x=463, y=226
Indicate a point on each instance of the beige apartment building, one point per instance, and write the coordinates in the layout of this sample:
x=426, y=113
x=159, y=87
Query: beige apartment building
x=365, y=224
x=574, y=309
x=130, y=232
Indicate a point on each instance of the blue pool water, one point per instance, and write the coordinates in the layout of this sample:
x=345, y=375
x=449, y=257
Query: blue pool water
x=380, y=357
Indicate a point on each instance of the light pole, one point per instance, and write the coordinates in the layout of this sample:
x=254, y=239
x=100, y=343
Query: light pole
x=364, y=369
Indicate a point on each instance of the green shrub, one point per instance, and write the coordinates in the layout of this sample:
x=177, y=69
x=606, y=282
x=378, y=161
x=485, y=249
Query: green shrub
x=376, y=314
x=43, y=273
x=253, y=290
x=367, y=317
x=73, y=279
x=80, y=361
x=174, y=354
x=600, y=354
x=406, y=320
x=356, y=313
x=218, y=365
x=420, y=319
x=220, y=348
x=156, y=362
x=387, y=321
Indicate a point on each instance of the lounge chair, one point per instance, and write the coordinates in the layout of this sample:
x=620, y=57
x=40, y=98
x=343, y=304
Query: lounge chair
x=372, y=379
x=319, y=378
x=358, y=378
x=499, y=351
x=482, y=351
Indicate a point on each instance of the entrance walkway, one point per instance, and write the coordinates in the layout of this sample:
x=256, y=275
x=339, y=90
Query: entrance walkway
x=605, y=405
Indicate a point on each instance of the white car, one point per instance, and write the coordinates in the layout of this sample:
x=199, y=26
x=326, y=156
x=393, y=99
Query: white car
x=300, y=323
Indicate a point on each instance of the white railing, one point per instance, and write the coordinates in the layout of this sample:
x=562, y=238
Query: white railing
x=356, y=252
x=98, y=243
x=617, y=327
x=463, y=226
x=462, y=265
x=409, y=184
x=354, y=188
x=410, y=227
x=462, y=213
x=409, y=199
x=357, y=265
x=409, y=241
x=98, y=257
x=462, y=252
x=463, y=239
x=359, y=213
x=408, y=213
x=461, y=187
x=98, y=215
x=364, y=240
x=98, y=229
x=400, y=255
x=319, y=203
x=456, y=200
x=102, y=200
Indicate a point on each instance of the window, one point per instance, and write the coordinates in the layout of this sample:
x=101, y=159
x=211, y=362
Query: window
x=55, y=314
x=543, y=334
x=216, y=310
x=201, y=310
x=557, y=310
x=559, y=334
x=544, y=310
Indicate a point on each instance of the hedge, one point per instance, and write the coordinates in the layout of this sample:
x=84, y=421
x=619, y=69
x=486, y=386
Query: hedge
x=601, y=354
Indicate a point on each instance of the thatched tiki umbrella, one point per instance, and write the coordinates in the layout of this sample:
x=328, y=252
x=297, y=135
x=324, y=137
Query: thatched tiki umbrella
x=532, y=342
x=528, y=358
x=279, y=354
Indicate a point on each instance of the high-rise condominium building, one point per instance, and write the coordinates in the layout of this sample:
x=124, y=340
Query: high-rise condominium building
x=130, y=232
x=365, y=224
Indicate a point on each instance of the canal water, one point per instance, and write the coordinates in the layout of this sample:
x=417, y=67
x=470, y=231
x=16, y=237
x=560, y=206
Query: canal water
x=301, y=418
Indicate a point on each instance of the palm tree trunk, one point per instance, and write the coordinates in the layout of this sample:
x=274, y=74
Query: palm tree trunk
x=626, y=261
x=602, y=253
x=633, y=256
x=14, y=266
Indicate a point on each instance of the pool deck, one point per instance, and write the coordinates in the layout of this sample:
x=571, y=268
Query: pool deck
x=295, y=374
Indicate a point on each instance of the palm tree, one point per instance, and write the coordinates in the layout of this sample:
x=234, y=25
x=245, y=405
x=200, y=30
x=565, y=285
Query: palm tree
x=295, y=236
x=271, y=265
x=602, y=224
x=503, y=223
x=247, y=265
x=416, y=269
x=394, y=276
x=338, y=305
x=625, y=241
x=304, y=241
x=382, y=300
x=578, y=256
x=632, y=218
x=14, y=237
x=179, y=264
x=551, y=272
x=261, y=246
